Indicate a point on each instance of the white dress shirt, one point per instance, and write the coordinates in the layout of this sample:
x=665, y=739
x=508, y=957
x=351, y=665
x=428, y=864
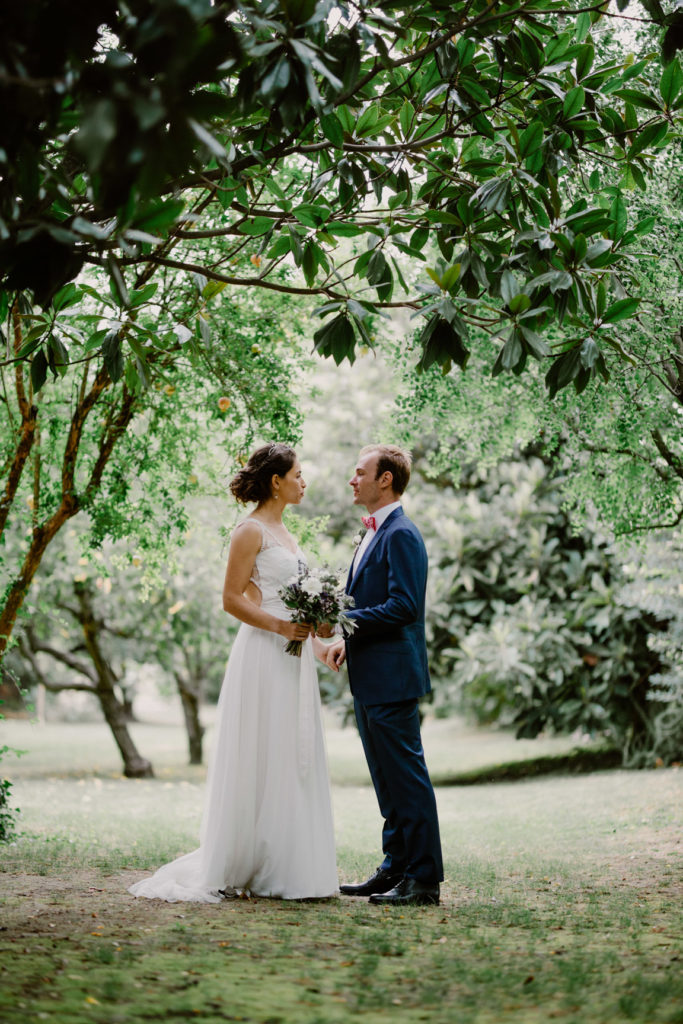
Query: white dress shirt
x=380, y=516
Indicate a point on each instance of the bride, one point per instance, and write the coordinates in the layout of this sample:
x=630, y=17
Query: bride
x=267, y=826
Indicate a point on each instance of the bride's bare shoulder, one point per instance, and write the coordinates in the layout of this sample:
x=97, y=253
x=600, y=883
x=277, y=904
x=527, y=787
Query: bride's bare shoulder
x=248, y=533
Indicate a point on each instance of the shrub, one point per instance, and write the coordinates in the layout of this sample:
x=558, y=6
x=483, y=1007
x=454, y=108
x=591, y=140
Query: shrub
x=529, y=622
x=8, y=814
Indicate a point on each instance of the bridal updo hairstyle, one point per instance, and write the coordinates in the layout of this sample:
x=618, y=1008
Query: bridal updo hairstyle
x=253, y=482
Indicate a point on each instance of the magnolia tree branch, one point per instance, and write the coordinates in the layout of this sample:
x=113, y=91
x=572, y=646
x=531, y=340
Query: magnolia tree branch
x=259, y=282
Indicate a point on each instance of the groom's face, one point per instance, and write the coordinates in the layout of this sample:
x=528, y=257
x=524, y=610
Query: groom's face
x=365, y=486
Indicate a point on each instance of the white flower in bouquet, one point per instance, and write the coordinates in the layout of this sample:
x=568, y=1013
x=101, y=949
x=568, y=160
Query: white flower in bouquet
x=312, y=586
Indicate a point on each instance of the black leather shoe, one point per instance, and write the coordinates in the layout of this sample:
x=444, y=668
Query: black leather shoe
x=381, y=881
x=408, y=892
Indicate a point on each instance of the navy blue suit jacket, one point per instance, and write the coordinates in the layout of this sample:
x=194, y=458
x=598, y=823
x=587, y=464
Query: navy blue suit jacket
x=387, y=654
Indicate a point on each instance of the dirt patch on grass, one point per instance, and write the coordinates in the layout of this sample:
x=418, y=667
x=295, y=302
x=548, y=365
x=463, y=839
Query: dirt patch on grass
x=79, y=948
x=87, y=902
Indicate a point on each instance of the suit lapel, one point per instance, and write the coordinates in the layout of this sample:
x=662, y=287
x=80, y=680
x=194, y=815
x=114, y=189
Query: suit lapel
x=353, y=577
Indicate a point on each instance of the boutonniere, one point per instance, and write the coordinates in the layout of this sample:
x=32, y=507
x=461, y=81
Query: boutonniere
x=359, y=536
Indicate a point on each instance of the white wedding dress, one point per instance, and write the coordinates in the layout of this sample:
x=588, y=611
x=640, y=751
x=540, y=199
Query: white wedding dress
x=267, y=827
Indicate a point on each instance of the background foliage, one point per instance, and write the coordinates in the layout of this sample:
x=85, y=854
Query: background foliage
x=488, y=189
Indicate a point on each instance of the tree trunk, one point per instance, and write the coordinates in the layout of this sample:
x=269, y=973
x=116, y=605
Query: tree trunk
x=23, y=450
x=189, y=697
x=29, y=422
x=134, y=765
x=101, y=681
x=71, y=502
x=127, y=705
x=42, y=536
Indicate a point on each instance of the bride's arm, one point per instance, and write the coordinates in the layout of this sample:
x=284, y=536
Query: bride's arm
x=244, y=547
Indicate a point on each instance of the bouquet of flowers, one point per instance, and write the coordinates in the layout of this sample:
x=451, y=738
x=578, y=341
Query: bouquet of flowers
x=316, y=596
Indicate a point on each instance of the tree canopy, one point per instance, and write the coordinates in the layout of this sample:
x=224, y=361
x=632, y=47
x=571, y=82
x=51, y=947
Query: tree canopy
x=335, y=140
x=164, y=161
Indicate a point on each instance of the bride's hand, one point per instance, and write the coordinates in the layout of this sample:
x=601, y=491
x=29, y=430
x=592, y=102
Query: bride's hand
x=295, y=630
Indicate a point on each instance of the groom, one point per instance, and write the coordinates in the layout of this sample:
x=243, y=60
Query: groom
x=387, y=663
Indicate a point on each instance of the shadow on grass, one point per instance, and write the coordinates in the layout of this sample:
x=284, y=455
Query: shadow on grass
x=577, y=762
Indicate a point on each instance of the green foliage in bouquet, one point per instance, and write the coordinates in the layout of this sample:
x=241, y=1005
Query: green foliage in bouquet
x=316, y=596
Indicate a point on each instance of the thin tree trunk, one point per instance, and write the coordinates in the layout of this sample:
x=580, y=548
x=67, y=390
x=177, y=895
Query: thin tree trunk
x=23, y=450
x=134, y=765
x=71, y=501
x=42, y=536
x=101, y=682
x=189, y=698
x=29, y=421
x=127, y=705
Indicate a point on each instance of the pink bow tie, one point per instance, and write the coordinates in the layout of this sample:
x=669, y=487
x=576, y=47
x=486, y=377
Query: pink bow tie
x=369, y=522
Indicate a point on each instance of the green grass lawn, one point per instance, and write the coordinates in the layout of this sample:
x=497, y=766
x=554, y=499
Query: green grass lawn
x=66, y=748
x=562, y=899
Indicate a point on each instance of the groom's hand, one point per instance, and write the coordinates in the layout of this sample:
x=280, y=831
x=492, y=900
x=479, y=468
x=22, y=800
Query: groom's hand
x=335, y=656
x=324, y=630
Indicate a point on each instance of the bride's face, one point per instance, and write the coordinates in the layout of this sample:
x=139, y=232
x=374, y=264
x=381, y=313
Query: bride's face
x=292, y=485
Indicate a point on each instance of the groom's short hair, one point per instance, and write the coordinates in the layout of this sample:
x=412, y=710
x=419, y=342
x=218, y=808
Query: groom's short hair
x=394, y=460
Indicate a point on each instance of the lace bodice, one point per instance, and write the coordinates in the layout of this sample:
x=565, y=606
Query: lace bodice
x=275, y=565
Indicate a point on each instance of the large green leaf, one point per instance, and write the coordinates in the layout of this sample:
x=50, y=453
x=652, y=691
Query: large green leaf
x=112, y=354
x=574, y=101
x=442, y=345
x=619, y=216
x=531, y=139
x=311, y=215
x=671, y=83
x=622, y=309
x=336, y=339
x=159, y=215
x=332, y=129
x=38, y=370
x=563, y=371
x=256, y=226
x=653, y=135
x=407, y=116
